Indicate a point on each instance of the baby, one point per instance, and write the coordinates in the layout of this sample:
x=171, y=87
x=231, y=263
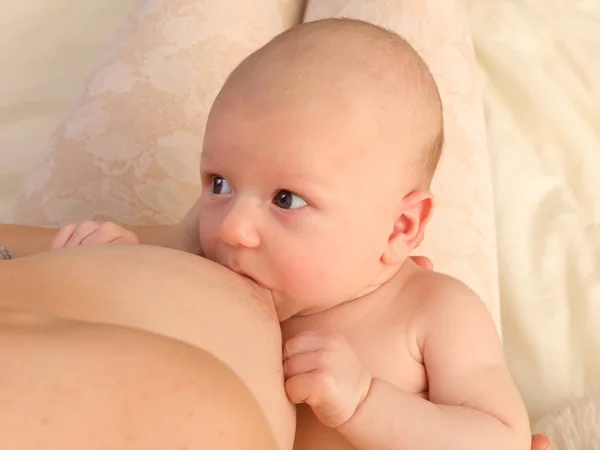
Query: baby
x=319, y=152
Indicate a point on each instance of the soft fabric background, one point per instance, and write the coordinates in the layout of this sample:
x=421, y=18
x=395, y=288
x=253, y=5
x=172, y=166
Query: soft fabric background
x=540, y=60
x=47, y=50
x=541, y=73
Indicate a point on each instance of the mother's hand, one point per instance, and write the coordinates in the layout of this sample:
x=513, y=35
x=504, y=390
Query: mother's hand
x=423, y=261
x=540, y=442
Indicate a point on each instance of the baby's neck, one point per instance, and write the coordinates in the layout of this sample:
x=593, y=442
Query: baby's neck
x=346, y=315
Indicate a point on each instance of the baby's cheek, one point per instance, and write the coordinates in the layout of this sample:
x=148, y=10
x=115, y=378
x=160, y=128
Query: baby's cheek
x=309, y=277
x=208, y=239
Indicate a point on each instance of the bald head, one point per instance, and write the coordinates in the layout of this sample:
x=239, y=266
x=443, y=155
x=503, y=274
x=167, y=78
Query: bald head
x=357, y=69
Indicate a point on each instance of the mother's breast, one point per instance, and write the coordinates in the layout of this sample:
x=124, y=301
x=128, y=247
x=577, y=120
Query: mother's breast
x=170, y=293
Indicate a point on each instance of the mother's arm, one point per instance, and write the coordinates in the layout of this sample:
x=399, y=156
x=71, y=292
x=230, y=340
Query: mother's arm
x=23, y=240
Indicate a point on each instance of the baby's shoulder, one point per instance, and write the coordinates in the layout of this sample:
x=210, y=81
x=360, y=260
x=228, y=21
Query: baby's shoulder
x=439, y=298
x=429, y=288
x=433, y=286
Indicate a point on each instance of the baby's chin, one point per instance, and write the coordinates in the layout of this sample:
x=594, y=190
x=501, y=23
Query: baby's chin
x=286, y=305
x=289, y=305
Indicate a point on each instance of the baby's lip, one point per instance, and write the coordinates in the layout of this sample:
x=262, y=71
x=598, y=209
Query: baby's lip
x=254, y=280
x=246, y=275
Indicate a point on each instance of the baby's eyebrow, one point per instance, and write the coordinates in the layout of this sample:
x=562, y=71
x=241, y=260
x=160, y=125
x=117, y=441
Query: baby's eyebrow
x=300, y=179
x=297, y=176
x=208, y=160
x=206, y=156
x=313, y=186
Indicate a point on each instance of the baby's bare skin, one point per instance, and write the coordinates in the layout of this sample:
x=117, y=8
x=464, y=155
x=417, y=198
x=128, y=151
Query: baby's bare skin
x=318, y=156
x=380, y=320
x=316, y=166
x=388, y=331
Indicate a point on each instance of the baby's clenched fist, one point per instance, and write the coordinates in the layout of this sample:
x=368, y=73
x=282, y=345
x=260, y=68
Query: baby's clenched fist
x=323, y=371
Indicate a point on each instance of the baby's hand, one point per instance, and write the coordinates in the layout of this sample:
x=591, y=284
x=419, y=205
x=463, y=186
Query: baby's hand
x=90, y=233
x=323, y=371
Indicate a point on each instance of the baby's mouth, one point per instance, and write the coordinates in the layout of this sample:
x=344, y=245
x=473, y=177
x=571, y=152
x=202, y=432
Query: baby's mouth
x=247, y=276
x=256, y=282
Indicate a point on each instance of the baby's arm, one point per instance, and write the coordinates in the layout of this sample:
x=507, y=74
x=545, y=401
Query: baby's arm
x=473, y=402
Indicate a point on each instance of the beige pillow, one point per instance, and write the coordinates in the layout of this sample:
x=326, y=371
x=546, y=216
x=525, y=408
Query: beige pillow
x=130, y=150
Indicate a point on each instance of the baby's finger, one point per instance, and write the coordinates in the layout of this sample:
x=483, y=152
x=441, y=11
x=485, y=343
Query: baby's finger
x=423, y=261
x=540, y=442
x=302, y=344
x=100, y=236
x=82, y=232
x=304, y=363
x=62, y=237
x=298, y=388
x=125, y=240
x=104, y=234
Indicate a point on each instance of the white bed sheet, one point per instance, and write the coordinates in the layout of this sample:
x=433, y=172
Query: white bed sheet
x=540, y=60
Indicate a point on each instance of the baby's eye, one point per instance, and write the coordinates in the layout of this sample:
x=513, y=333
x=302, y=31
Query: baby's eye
x=220, y=186
x=288, y=200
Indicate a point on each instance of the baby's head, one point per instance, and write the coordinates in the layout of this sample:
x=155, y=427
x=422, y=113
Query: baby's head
x=317, y=160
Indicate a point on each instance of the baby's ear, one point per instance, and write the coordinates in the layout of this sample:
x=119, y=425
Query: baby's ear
x=414, y=213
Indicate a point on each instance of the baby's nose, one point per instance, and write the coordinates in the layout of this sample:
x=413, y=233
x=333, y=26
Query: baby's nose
x=239, y=228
